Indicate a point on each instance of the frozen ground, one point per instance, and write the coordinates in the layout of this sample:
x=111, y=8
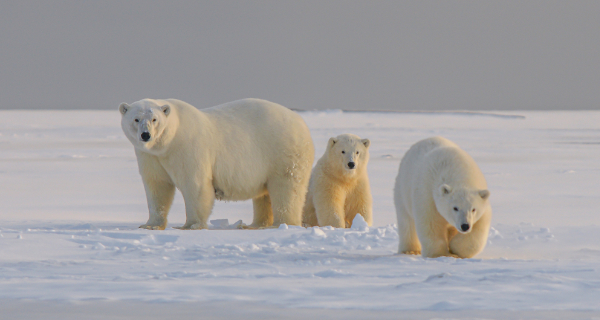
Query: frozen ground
x=72, y=200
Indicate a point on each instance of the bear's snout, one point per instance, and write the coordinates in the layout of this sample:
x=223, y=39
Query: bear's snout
x=351, y=165
x=465, y=227
x=145, y=136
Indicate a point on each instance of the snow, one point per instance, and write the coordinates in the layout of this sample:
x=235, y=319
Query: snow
x=359, y=223
x=72, y=200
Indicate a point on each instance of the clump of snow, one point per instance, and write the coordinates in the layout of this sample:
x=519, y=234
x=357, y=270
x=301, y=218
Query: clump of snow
x=317, y=233
x=359, y=223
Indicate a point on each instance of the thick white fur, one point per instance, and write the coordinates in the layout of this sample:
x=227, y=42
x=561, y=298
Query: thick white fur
x=245, y=149
x=337, y=193
x=436, y=176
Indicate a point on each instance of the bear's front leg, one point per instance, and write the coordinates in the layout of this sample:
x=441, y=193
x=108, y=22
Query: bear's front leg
x=329, y=206
x=432, y=230
x=309, y=215
x=199, y=200
x=469, y=244
x=359, y=201
x=159, y=188
x=408, y=242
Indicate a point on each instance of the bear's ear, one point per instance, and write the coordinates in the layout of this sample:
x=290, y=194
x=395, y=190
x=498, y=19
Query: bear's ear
x=166, y=109
x=331, y=142
x=445, y=189
x=366, y=142
x=484, y=194
x=123, y=108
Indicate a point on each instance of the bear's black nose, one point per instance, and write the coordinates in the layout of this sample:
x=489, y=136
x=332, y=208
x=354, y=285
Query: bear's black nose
x=464, y=227
x=145, y=136
x=351, y=165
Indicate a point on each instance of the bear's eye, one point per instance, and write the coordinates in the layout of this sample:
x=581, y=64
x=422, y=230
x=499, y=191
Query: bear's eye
x=137, y=120
x=343, y=151
x=473, y=209
x=154, y=120
x=356, y=152
x=455, y=209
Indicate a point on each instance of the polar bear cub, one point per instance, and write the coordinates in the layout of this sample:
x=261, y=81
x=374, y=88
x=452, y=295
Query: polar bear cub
x=339, y=185
x=442, y=201
x=246, y=149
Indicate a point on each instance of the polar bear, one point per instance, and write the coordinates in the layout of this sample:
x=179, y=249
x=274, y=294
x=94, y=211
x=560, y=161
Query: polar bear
x=339, y=184
x=442, y=201
x=246, y=149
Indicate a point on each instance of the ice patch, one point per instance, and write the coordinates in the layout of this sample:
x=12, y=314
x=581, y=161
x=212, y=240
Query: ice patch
x=83, y=226
x=329, y=112
x=220, y=223
x=435, y=277
x=237, y=224
x=224, y=224
x=332, y=273
x=444, y=306
x=159, y=239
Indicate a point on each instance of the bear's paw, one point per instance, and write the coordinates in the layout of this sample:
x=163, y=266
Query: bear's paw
x=193, y=226
x=152, y=227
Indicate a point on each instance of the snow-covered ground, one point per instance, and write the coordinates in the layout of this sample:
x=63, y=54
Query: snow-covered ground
x=71, y=200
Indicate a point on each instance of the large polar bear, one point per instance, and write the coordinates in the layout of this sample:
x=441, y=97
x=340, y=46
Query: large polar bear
x=245, y=149
x=339, y=185
x=441, y=201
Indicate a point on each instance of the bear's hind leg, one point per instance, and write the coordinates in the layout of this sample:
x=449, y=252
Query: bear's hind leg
x=199, y=201
x=263, y=213
x=287, y=200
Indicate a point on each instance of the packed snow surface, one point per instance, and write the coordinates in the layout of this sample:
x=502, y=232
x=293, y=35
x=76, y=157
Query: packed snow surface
x=72, y=199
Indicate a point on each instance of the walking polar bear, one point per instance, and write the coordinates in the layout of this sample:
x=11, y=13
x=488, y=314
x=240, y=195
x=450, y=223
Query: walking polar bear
x=339, y=185
x=442, y=201
x=246, y=149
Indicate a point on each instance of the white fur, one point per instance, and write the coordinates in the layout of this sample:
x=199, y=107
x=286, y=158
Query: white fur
x=337, y=193
x=434, y=178
x=245, y=149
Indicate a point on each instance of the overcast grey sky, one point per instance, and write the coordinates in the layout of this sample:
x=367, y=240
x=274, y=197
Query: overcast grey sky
x=369, y=55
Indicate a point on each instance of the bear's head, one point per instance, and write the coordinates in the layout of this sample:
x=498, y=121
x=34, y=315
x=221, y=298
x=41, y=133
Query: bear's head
x=348, y=152
x=460, y=206
x=144, y=123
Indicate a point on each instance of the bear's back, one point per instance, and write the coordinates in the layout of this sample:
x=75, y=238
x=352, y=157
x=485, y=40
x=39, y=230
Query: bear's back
x=415, y=158
x=251, y=110
x=258, y=117
x=433, y=160
x=253, y=140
